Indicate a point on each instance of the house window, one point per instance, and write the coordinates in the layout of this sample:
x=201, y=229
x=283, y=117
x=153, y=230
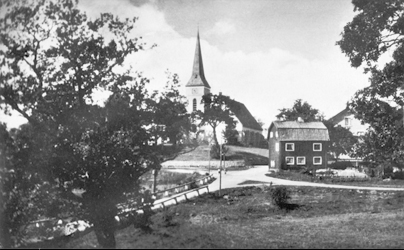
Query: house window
x=347, y=121
x=271, y=134
x=317, y=147
x=301, y=160
x=277, y=147
x=276, y=134
x=317, y=160
x=290, y=160
x=289, y=147
x=194, y=104
x=272, y=164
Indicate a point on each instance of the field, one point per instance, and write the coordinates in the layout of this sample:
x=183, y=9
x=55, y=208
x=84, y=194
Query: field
x=246, y=218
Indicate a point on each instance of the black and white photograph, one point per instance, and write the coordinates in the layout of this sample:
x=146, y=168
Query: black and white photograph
x=150, y=124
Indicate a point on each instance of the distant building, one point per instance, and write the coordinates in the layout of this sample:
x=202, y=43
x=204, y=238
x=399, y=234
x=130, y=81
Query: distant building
x=296, y=144
x=346, y=119
x=250, y=132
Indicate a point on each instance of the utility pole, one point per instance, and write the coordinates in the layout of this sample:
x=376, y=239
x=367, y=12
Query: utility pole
x=220, y=170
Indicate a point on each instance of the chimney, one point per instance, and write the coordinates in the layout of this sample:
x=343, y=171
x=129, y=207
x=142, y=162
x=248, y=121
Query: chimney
x=220, y=93
x=299, y=119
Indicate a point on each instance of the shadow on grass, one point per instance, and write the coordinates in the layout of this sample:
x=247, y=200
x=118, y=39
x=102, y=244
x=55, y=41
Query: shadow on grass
x=290, y=206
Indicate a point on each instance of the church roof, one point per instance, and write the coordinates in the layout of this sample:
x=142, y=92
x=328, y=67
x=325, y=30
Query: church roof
x=244, y=116
x=198, y=74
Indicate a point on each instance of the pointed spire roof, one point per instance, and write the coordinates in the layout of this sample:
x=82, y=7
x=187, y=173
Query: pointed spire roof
x=198, y=75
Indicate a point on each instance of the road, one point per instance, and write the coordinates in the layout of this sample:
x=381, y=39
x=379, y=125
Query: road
x=257, y=174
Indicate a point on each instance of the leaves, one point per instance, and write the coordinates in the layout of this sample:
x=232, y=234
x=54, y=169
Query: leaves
x=300, y=109
x=378, y=28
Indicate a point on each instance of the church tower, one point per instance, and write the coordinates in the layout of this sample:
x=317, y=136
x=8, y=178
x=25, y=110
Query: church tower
x=197, y=86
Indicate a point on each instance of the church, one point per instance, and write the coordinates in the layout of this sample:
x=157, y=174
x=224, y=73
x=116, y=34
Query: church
x=249, y=131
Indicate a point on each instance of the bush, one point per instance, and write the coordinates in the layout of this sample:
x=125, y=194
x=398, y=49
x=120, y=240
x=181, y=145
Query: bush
x=215, y=151
x=342, y=165
x=280, y=196
x=398, y=175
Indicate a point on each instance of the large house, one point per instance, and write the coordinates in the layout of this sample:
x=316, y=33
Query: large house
x=249, y=131
x=296, y=144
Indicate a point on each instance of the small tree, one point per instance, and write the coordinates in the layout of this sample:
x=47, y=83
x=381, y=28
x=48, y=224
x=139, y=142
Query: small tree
x=170, y=111
x=342, y=140
x=216, y=112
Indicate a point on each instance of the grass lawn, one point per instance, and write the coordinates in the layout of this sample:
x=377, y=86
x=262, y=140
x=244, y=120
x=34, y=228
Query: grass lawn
x=370, y=182
x=201, y=153
x=246, y=218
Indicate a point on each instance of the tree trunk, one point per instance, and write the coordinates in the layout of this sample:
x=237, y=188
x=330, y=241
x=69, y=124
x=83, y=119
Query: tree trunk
x=102, y=214
x=214, y=136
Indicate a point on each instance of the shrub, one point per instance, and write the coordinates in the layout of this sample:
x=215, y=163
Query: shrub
x=280, y=196
x=342, y=165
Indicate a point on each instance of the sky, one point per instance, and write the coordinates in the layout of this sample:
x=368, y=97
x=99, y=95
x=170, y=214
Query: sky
x=263, y=53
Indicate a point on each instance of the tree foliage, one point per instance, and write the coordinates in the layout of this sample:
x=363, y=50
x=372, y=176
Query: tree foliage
x=52, y=60
x=170, y=111
x=378, y=28
x=342, y=140
x=300, y=109
x=216, y=111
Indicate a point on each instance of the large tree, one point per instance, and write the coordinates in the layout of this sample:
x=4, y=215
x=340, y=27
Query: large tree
x=377, y=28
x=52, y=60
x=300, y=109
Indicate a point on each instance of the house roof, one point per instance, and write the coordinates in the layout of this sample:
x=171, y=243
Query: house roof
x=198, y=74
x=340, y=116
x=244, y=116
x=301, y=131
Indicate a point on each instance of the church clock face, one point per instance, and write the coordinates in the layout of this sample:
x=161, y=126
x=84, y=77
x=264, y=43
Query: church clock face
x=194, y=91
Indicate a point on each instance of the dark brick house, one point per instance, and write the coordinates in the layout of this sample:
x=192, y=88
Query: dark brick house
x=296, y=144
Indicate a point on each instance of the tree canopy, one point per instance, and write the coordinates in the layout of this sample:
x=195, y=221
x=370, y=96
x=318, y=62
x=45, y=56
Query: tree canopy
x=216, y=111
x=300, y=109
x=377, y=28
x=53, y=59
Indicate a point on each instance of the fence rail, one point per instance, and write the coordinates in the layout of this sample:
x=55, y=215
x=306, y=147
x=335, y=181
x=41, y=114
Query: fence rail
x=174, y=193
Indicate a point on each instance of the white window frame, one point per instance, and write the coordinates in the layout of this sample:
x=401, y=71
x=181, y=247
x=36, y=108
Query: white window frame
x=297, y=160
x=318, y=143
x=276, y=134
x=347, y=121
x=277, y=147
x=272, y=163
x=321, y=160
x=292, y=162
x=271, y=134
x=289, y=143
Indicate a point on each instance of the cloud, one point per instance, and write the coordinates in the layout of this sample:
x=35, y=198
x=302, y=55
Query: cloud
x=265, y=81
x=222, y=27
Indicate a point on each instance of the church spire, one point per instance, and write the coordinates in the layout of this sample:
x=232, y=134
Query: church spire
x=198, y=75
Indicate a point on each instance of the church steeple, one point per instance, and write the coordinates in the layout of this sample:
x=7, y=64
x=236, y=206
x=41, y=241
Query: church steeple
x=198, y=74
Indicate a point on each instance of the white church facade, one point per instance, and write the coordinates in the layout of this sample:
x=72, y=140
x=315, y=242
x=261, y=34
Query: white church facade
x=249, y=130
